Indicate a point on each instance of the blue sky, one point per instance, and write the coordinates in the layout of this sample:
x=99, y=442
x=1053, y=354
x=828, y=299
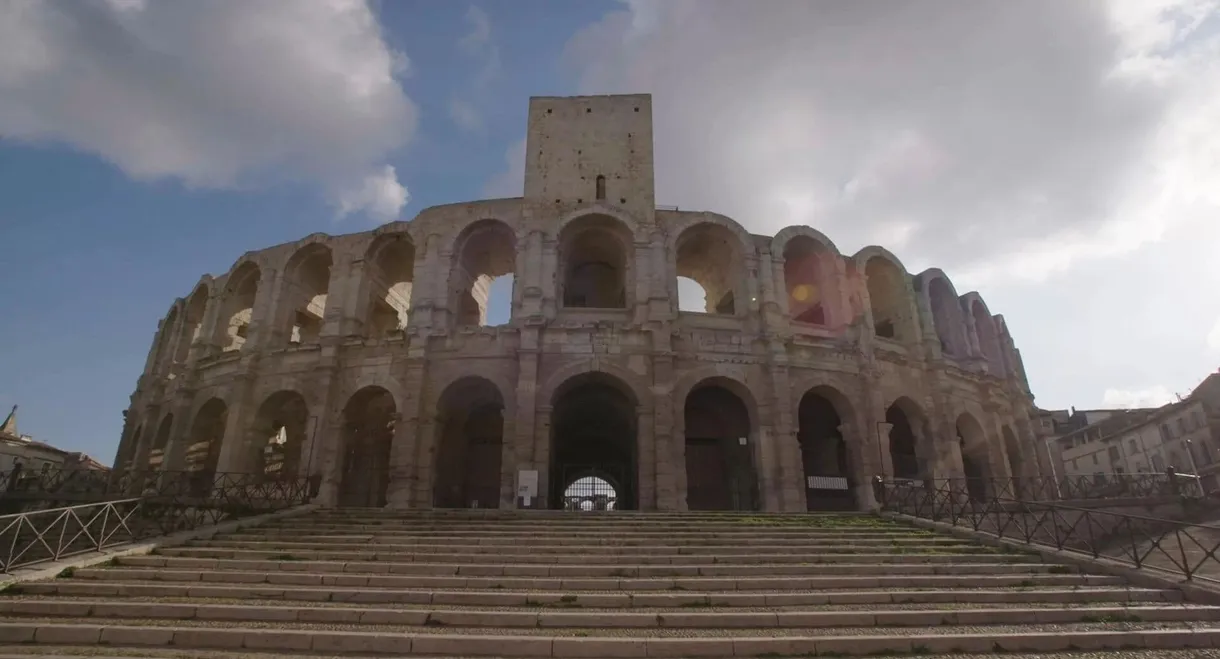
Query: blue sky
x=1058, y=157
x=93, y=258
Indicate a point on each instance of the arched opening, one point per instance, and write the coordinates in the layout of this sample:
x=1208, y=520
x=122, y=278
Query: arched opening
x=947, y=316
x=237, y=307
x=593, y=434
x=589, y=494
x=975, y=465
x=806, y=273
x=306, y=287
x=593, y=261
x=277, y=437
x=828, y=479
x=719, y=452
x=904, y=454
x=192, y=321
x=368, y=432
x=691, y=296
x=389, y=276
x=156, y=454
x=989, y=340
x=710, y=255
x=889, y=301
x=205, y=440
x=470, y=418
x=484, y=261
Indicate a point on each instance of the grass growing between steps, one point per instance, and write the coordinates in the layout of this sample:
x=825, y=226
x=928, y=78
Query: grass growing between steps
x=816, y=521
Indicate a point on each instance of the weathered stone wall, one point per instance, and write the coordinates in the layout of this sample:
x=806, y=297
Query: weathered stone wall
x=943, y=360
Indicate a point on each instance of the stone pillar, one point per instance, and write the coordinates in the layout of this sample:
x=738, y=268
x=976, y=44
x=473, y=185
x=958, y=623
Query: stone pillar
x=668, y=440
x=884, y=463
x=262, y=315
x=148, y=432
x=520, y=452
x=407, y=461
x=235, y=452
x=179, y=437
x=862, y=465
x=542, y=454
x=647, y=467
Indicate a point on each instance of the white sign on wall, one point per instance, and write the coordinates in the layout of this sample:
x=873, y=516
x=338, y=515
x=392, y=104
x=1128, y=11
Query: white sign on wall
x=527, y=485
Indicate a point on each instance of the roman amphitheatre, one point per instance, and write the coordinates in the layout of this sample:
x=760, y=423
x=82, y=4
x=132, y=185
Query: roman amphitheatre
x=367, y=362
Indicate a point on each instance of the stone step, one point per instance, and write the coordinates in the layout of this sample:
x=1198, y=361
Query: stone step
x=626, y=534
x=301, y=560
x=641, y=527
x=843, y=641
x=584, y=570
x=110, y=610
x=254, y=542
x=954, y=578
x=46, y=651
x=576, y=598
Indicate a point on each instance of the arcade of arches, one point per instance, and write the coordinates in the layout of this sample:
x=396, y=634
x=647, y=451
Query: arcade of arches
x=593, y=453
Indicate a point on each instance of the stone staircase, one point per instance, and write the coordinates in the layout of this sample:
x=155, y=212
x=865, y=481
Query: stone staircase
x=471, y=583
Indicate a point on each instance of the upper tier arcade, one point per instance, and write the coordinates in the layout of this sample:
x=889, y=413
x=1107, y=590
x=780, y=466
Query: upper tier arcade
x=352, y=357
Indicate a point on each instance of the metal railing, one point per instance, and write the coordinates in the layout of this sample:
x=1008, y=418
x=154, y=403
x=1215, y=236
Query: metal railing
x=1174, y=548
x=1077, y=488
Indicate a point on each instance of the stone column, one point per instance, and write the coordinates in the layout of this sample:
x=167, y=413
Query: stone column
x=520, y=453
x=406, y=458
x=646, y=470
x=668, y=442
x=542, y=454
x=862, y=466
x=235, y=452
x=175, y=448
x=881, y=446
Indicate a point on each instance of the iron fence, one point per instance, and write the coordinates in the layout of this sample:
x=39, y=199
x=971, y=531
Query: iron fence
x=1176, y=548
x=157, y=505
x=24, y=490
x=1074, y=488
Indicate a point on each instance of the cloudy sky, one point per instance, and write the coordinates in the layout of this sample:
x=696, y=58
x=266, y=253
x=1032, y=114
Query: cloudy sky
x=1062, y=158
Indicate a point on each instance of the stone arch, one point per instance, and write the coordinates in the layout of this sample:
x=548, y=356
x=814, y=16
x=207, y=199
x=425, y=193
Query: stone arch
x=947, y=320
x=908, y=426
x=822, y=413
x=712, y=256
x=129, y=445
x=467, y=465
x=640, y=390
x=194, y=309
x=160, y=444
x=594, y=433
x=985, y=331
x=369, y=417
x=303, y=298
x=237, y=306
x=163, y=347
x=276, y=439
x=889, y=295
x=972, y=440
x=779, y=243
x=721, y=473
x=634, y=229
x=596, y=264
x=484, y=251
x=205, y=439
x=811, y=280
x=389, y=279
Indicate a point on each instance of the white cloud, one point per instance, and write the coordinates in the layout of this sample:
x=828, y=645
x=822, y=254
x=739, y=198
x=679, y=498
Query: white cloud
x=209, y=92
x=465, y=115
x=1060, y=153
x=379, y=195
x=1125, y=399
x=479, y=36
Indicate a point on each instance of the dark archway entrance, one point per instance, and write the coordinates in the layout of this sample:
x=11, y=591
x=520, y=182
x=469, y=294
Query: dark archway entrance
x=593, y=435
x=368, y=432
x=471, y=422
x=719, y=458
x=972, y=442
x=206, y=437
x=903, y=454
x=828, y=479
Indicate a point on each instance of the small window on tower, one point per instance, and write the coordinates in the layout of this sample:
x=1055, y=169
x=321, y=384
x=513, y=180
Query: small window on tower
x=601, y=187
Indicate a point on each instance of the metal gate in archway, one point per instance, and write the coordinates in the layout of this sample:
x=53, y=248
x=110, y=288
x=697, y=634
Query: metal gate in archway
x=591, y=488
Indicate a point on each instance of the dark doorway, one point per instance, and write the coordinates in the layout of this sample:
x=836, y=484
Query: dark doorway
x=828, y=481
x=902, y=443
x=368, y=429
x=593, y=434
x=471, y=415
x=719, y=458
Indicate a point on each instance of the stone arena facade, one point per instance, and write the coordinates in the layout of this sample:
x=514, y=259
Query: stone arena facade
x=365, y=360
